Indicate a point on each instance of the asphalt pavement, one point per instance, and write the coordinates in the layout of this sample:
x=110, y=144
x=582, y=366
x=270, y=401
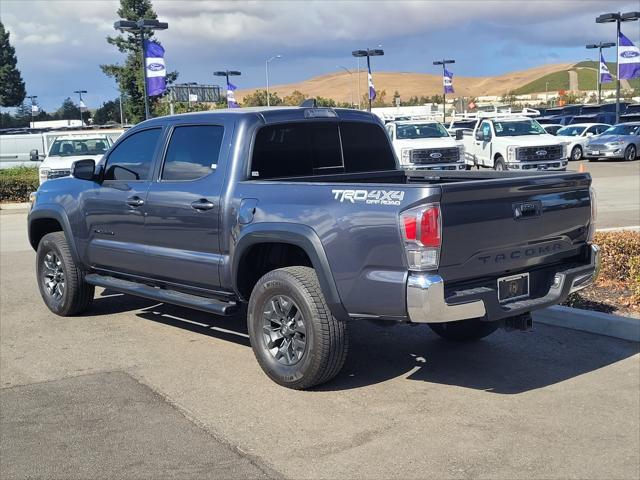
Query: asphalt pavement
x=136, y=389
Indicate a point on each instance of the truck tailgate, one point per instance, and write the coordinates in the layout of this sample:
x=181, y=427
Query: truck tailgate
x=494, y=227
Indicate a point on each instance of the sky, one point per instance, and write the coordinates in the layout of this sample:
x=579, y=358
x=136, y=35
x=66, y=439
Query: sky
x=61, y=43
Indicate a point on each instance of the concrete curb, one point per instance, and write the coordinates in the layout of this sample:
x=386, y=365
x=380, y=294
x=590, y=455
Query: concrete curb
x=625, y=328
x=14, y=206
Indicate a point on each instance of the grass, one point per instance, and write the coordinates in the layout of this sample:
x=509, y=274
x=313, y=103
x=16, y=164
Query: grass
x=557, y=81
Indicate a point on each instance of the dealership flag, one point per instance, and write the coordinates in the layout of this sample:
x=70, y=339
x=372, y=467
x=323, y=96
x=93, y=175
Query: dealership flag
x=156, y=72
x=231, y=98
x=447, y=79
x=605, y=75
x=628, y=59
x=372, y=91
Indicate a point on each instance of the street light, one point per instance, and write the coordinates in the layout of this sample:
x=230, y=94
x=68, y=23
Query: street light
x=189, y=85
x=618, y=18
x=599, y=46
x=226, y=74
x=32, y=98
x=139, y=27
x=369, y=52
x=351, y=87
x=80, y=92
x=444, y=62
x=266, y=68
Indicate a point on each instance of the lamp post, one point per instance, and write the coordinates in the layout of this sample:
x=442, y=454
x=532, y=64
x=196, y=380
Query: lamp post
x=369, y=52
x=599, y=46
x=546, y=93
x=350, y=83
x=32, y=98
x=139, y=27
x=443, y=62
x=266, y=69
x=80, y=92
x=189, y=85
x=226, y=74
x=618, y=18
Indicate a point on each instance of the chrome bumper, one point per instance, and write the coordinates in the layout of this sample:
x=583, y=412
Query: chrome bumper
x=426, y=302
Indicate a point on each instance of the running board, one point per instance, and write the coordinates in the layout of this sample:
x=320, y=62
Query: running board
x=205, y=304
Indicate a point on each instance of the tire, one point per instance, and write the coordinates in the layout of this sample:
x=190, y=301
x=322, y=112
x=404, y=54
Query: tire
x=464, y=330
x=60, y=279
x=292, y=354
x=499, y=164
x=630, y=153
x=576, y=153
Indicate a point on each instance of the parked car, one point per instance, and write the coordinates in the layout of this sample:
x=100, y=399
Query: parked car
x=578, y=135
x=66, y=149
x=619, y=141
x=304, y=215
x=18, y=149
x=552, y=128
x=514, y=142
x=631, y=114
x=426, y=145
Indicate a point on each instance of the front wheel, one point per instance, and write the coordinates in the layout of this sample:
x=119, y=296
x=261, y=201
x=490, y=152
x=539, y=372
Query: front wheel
x=499, y=164
x=464, y=330
x=630, y=153
x=295, y=338
x=576, y=153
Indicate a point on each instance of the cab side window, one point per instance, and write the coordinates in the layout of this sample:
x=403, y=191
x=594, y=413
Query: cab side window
x=132, y=159
x=486, y=130
x=193, y=152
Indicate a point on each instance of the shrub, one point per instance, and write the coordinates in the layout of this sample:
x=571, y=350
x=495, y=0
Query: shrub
x=17, y=183
x=620, y=256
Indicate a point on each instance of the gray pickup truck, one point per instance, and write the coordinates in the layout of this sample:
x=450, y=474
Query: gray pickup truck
x=303, y=214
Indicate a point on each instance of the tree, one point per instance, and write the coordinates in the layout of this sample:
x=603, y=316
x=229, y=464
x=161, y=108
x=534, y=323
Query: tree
x=259, y=99
x=129, y=75
x=295, y=99
x=509, y=98
x=12, y=90
x=69, y=111
x=109, y=112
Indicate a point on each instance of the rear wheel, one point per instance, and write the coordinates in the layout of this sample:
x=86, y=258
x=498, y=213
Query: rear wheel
x=499, y=164
x=60, y=280
x=630, y=153
x=295, y=338
x=576, y=153
x=464, y=330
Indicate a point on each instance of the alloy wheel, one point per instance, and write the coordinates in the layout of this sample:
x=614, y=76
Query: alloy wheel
x=283, y=330
x=53, y=276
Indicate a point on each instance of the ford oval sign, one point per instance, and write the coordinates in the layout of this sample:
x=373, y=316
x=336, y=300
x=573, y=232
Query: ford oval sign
x=155, y=67
x=435, y=155
x=541, y=152
x=629, y=54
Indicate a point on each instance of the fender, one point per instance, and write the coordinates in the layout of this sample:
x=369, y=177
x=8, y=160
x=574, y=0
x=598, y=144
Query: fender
x=301, y=236
x=55, y=212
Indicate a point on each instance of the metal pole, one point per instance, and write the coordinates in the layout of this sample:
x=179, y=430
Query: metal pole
x=80, y=106
x=188, y=97
x=546, y=93
x=266, y=67
x=598, y=73
x=368, y=73
x=444, y=97
x=144, y=70
x=359, y=96
x=618, y=69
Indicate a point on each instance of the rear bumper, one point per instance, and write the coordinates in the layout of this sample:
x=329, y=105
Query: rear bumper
x=426, y=302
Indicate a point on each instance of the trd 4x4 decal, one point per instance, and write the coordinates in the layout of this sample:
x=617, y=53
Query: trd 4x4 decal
x=370, y=197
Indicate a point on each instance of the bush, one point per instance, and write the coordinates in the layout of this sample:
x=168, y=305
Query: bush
x=17, y=183
x=620, y=256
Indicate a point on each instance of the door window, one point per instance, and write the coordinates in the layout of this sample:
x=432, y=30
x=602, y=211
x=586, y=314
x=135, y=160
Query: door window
x=193, y=152
x=132, y=159
x=486, y=130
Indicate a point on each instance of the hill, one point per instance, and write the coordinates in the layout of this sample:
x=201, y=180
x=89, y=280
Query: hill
x=340, y=86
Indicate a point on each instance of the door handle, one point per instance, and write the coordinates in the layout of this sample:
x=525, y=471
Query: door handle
x=135, y=201
x=202, y=205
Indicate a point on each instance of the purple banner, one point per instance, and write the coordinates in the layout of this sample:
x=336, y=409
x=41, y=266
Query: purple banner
x=156, y=71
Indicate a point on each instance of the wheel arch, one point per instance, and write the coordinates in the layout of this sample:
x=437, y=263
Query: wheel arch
x=300, y=239
x=47, y=220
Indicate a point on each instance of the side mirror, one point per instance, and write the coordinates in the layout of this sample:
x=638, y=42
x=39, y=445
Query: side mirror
x=33, y=155
x=589, y=134
x=479, y=136
x=459, y=134
x=83, y=169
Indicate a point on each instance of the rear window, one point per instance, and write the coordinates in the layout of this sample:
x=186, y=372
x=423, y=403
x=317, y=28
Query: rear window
x=320, y=148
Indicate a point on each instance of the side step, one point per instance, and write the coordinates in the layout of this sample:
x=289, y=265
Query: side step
x=205, y=304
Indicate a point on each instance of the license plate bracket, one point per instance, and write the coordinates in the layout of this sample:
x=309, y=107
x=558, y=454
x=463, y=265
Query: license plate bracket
x=513, y=288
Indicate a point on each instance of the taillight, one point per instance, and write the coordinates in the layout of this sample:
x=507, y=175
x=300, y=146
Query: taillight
x=422, y=232
x=594, y=215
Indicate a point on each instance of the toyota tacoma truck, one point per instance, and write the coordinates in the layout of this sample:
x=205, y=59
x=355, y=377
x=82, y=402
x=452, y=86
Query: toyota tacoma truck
x=304, y=215
x=514, y=142
x=425, y=145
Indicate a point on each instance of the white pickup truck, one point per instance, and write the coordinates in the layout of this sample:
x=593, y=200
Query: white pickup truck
x=425, y=145
x=514, y=142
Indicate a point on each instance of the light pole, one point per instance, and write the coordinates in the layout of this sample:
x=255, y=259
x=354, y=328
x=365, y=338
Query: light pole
x=546, y=93
x=226, y=74
x=266, y=69
x=444, y=62
x=189, y=85
x=32, y=98
x=599, y=46
x=350, y=82
x=369, y=52
x=139, y=28
x=618, y=18
x=80, y=92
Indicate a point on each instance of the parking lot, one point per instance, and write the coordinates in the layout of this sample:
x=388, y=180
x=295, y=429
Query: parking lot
x=147, y=390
